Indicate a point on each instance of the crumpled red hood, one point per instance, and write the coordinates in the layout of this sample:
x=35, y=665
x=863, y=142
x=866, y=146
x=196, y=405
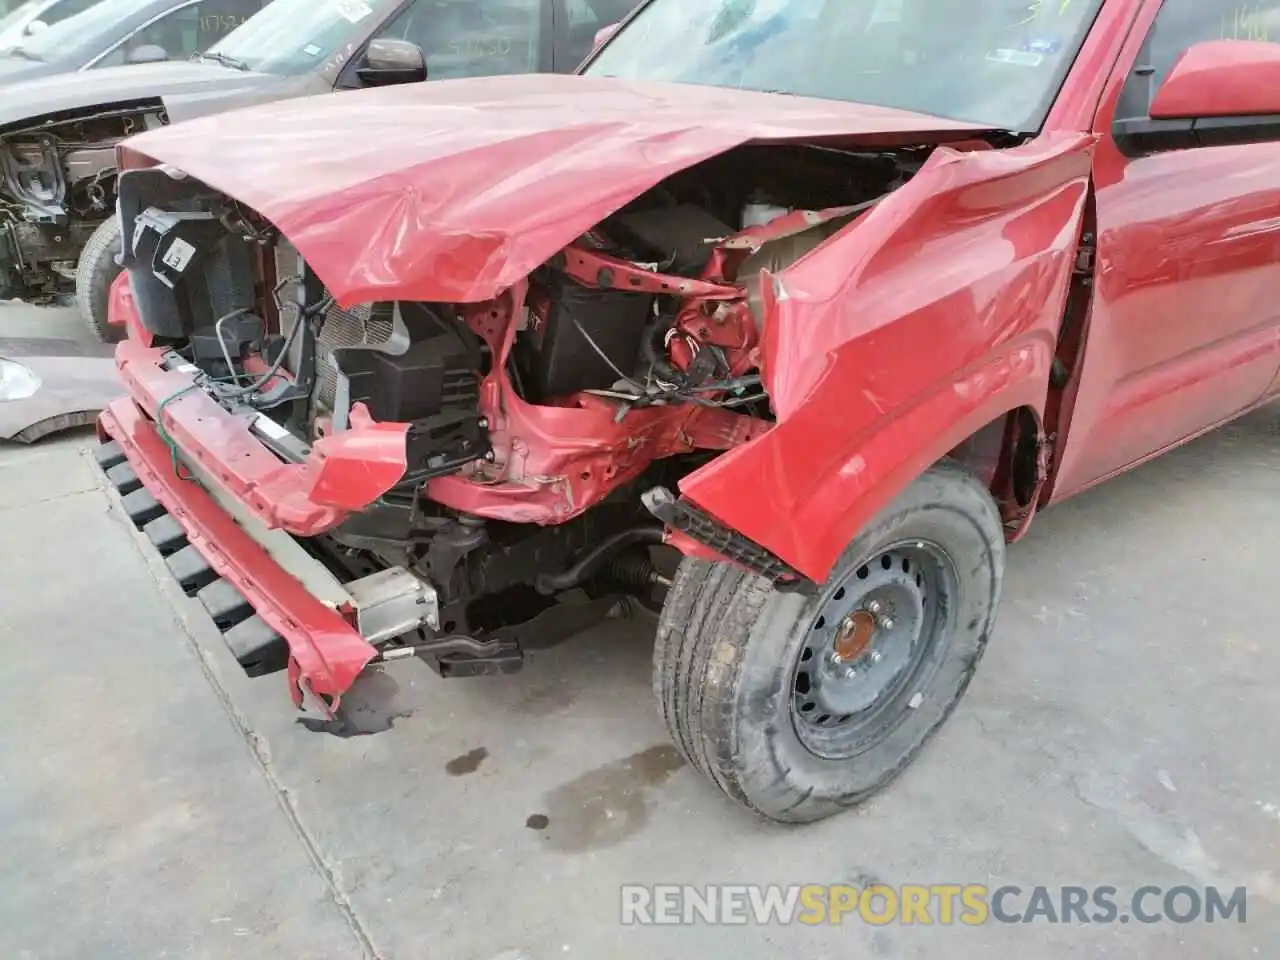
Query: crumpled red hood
x=455, y=190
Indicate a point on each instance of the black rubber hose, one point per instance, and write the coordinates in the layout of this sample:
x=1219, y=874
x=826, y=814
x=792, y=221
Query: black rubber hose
x=548, y=583
x=662, y=368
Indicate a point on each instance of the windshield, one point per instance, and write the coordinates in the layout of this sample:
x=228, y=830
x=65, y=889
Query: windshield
x=994, y=62
x=71, y=34
x=294, y=36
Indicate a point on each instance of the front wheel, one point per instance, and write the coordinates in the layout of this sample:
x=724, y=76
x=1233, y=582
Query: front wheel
x=95, y=273
x=798, y=707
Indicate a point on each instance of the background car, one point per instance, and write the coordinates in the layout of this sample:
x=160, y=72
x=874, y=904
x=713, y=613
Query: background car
x=111, y=33
x=63, y=131
x=20, y=19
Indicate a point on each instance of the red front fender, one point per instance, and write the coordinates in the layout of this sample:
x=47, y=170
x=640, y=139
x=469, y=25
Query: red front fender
x=122, y=311
x=886, y=347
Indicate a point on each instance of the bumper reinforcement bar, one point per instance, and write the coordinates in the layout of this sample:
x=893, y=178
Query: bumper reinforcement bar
x=266, y=617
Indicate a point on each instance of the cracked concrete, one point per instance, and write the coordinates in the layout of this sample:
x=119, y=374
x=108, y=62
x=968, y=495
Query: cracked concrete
x=156, y=802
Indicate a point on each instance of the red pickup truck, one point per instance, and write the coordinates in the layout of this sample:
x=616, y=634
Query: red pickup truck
x=823, y=301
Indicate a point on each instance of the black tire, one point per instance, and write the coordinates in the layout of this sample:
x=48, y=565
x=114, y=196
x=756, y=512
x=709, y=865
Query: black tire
x=95, y=273
x=729, y=655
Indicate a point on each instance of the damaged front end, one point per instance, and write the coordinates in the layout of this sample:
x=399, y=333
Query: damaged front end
x=460, y=481
x=57, y=184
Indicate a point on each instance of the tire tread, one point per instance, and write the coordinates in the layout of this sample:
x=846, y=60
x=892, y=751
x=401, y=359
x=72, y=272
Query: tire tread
x=709, y=617
x=92, y=273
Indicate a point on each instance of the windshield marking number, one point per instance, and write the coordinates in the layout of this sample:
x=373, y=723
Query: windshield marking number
x=221, y=23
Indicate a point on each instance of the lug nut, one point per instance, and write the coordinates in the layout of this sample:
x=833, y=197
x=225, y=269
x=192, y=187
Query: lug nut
x=886, y=623
x=876, y=656
x=874, y=606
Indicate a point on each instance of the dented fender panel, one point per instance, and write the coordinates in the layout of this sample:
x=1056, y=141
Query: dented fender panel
x=919, y=323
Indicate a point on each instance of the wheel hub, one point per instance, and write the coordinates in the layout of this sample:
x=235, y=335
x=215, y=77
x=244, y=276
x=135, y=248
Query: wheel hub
x=865, y=643
x=856, y=633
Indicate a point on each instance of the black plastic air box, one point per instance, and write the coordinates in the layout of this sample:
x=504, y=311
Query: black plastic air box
x=555, y=359
x=682, y=238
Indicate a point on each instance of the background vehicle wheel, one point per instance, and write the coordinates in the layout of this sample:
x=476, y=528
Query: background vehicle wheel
x=798, y=707
x=95, y=273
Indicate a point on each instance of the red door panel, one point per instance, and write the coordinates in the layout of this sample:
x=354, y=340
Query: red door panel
x=1186, y=305
x=1184, y=331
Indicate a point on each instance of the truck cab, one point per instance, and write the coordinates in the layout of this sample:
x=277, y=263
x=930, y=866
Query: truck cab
x=828, y=300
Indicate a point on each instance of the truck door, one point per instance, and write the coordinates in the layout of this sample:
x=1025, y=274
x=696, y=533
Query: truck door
x=1186, y=308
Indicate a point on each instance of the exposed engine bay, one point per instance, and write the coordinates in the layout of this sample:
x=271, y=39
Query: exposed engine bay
x=546, y=427
x=57, y=184
x=659, y=345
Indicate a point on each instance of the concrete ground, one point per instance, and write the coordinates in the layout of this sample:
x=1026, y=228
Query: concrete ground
x=154, y=802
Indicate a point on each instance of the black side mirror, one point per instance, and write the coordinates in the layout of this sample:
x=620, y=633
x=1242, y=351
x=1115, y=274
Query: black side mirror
x=389, y=62
x=147, y=53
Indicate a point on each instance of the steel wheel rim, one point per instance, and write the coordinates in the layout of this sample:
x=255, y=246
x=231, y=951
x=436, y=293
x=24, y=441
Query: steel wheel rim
x=870, y=647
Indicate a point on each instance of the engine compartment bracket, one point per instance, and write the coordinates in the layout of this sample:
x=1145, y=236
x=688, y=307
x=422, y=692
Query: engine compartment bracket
x=682, y=516
x=391, y=603
x=604, y=272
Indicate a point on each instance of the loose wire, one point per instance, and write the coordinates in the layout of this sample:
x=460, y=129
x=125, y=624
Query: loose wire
x=174, y=455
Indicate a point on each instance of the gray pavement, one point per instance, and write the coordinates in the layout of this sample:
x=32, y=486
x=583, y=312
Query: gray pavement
x=154, y=802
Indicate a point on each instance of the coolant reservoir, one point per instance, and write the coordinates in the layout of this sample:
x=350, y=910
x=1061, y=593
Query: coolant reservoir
x=756, y=212
x=776, y=255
